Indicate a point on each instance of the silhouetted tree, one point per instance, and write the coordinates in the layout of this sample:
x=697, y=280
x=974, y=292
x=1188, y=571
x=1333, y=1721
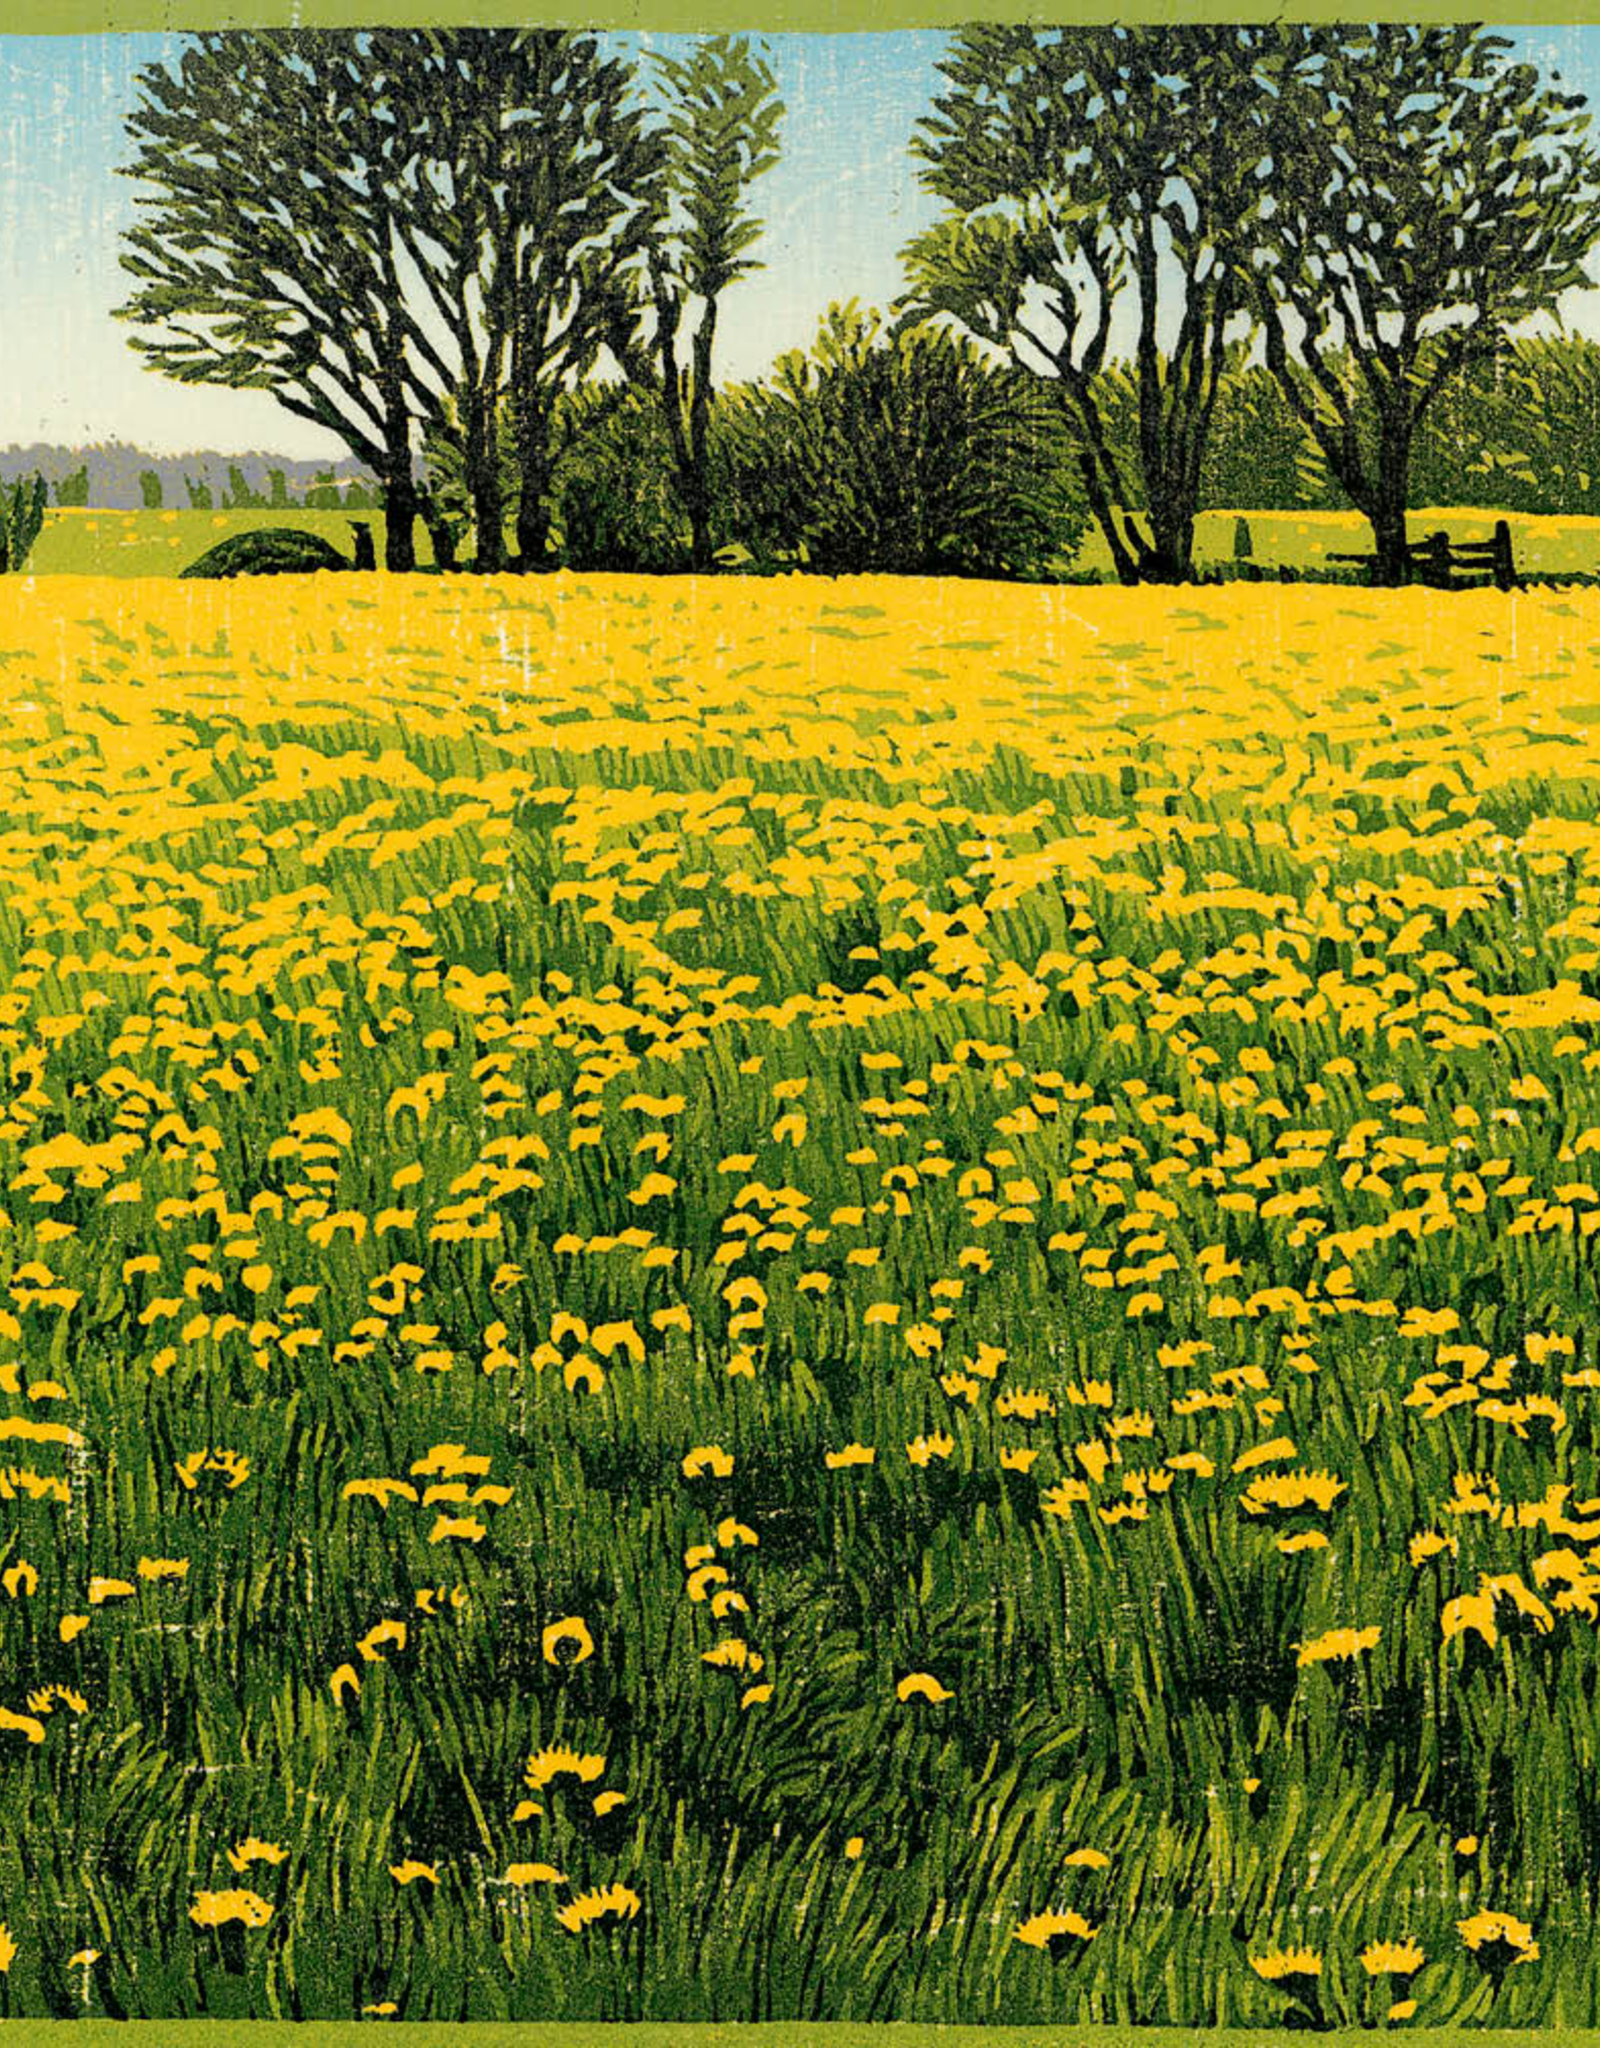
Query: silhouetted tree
x=1429, y=196
x=526, y=176
x=1103, y=187
x=271, y=250
x=720, y=119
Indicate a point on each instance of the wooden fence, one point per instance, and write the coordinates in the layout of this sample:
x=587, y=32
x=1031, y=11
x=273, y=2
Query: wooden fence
x=1443, y=564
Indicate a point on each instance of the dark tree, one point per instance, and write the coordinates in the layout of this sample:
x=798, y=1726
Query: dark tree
x=527, y=181
x=720, y=118
x=1102, y=187
x=271, y=253
x=1429, y=196
x=150, y=491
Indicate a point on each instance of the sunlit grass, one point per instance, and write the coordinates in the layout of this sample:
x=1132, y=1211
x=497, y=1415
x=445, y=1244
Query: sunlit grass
x=759, y=1301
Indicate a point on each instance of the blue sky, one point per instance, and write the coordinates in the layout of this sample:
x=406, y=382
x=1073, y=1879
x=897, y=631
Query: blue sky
x=838, y=209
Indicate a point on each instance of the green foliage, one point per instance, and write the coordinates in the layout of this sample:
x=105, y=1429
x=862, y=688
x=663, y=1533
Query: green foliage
x=268, y=551
x=1082, y=169
x=525, y=207
x=900, y=452
x=150, y=491
x=1521, y=432
x=1429, y=195
x=615, y=502
x=278, y=498
x=720, y=118
x=22, y=506
x=73, y=488
x=880, y=450
x=240, y=495
x=198, y=492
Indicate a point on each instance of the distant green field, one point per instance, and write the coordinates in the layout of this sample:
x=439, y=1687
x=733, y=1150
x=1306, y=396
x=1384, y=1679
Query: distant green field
x=102, y=543
x=1305, y=540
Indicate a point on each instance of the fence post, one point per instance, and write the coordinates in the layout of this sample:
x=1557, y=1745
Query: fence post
x=1505, y=568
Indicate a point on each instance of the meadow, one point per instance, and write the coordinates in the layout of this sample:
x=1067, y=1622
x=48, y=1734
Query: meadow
x=100, y=542
x=786, y=1300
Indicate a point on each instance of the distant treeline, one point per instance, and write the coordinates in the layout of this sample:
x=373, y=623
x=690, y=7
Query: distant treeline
x=116, y=476
x=1521, y=434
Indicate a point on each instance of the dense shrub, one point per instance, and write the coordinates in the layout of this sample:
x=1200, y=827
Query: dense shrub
x=903, y=452
x=613, y=501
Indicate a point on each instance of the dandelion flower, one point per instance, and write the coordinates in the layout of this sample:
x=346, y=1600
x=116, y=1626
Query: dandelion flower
x=253, y=1850
x=546, y=1765
x=1293, y=1969
x=1338, y=1643
x=615, y=1902
x=920, y=1685
x=1497, y=1940
x=707, y=1461
x=560, y=1634
x=1057, y=1934
x=219, y=1909
x=1392, y=1958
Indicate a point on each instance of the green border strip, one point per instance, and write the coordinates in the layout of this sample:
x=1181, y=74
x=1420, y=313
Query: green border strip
x=89, y=17
x=787, y=2034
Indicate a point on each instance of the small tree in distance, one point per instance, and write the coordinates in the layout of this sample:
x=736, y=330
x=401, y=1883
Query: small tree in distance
x=1429, y=196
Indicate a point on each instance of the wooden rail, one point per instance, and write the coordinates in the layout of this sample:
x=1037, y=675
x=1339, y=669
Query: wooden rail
x=1443, y=564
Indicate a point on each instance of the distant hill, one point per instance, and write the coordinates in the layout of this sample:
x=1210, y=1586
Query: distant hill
x=115, y=467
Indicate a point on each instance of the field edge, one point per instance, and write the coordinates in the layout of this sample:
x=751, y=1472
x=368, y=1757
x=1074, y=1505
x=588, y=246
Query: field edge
x=220, y=2033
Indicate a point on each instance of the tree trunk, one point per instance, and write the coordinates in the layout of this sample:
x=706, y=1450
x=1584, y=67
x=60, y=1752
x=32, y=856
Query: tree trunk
x=399, y=519
x=399, y=484
x=481, y=465
x=533, y=475
x=697, y=482
x=1387, y=510
x=1171, y=556
x=1106, y=519
x=442, y=533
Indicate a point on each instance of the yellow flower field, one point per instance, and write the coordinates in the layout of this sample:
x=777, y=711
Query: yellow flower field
x=799, y=1299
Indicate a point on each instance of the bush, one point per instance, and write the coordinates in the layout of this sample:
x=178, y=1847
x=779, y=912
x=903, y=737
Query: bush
x=268, y=551
x=613, y=501
x=21, y=517
x=899, y=451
